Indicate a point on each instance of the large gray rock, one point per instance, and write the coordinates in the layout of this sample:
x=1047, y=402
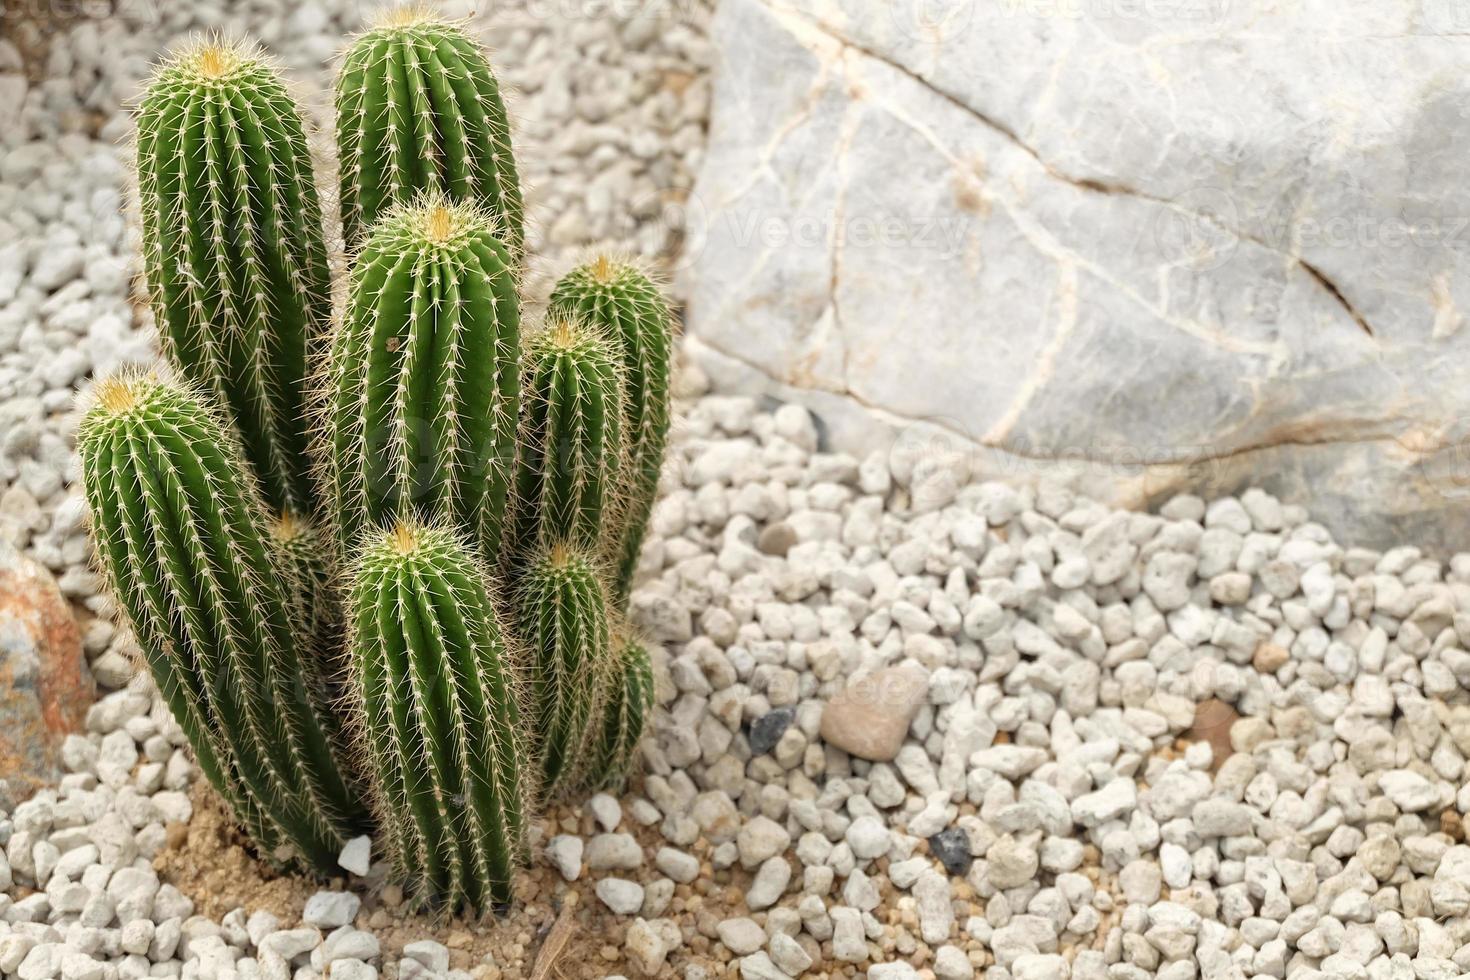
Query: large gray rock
x=1147, y=246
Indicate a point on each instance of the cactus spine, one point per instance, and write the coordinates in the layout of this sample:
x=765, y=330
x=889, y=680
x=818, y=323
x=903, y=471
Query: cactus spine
x=563, y=621
x=571, y=442
x=188, y=556
x=619, y=298
x=418, y=108
x=232, y=239
x=437, y=692
x=423, y=382
x=627, y=701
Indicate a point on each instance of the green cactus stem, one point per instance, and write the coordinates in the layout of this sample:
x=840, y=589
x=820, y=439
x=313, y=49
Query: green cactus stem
x=626, y=706
x=440, y=717
x=418, y=108
x=562, y=619
x=571, y=459
x=304, y=554
x=185, y=548
x=232, y=240
x=423, y=387
x=625, y=303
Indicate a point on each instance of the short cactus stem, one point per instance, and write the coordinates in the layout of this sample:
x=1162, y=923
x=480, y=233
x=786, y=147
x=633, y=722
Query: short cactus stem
x=233, y=247
x=567, y=489
x=423, y=388
x=562, y=620
x=623, y=301
x=187, y=553
x=304, y=557
x=440, y=717
x=418, y=109
x=626, y=706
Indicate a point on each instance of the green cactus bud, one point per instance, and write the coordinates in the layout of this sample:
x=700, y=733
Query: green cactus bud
x=624, y=302
x=562, y=619
x=571, y=443
x=183, y=543
x=423, y=386
x=418, y=108
x=626, y=707
x=440, y=716
x=232, y=240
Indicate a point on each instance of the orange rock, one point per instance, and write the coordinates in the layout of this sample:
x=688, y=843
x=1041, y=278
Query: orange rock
x=45, y=687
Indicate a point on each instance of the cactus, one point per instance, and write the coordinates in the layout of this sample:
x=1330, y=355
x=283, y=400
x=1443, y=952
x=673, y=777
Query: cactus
x=571, y=440
x=626, y=704
x=185, y=548
x=440, y=715
x=622, y=300
x=232, y=239
x=422, y=383
x=359, y=622
x=418, y=108
x=563, y=621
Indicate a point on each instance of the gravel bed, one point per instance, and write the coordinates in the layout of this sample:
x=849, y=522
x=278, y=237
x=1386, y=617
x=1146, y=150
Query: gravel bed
x=1207, y=742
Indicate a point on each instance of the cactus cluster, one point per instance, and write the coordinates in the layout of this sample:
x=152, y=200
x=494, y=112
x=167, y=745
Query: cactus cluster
x=378, y=563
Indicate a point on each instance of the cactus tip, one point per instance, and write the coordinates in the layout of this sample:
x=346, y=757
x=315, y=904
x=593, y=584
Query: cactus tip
x=405, y=15
x=603, y=268
x=404, y=538
x=439, y=224
x=117, y=394
x=287, y=526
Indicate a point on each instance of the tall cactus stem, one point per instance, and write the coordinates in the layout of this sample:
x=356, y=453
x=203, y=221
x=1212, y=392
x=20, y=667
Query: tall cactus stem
x=562, y=620
x=233, y=248
x=422, y=387
x=440, y=716
x=622, y=300
x=626, y=707
x=418, y=108
x=571, y=453
x=182, y=541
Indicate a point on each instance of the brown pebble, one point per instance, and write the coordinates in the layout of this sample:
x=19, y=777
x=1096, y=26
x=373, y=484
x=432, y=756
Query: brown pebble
x=1269, y=658
x=870, y=717
x=1213, y=720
